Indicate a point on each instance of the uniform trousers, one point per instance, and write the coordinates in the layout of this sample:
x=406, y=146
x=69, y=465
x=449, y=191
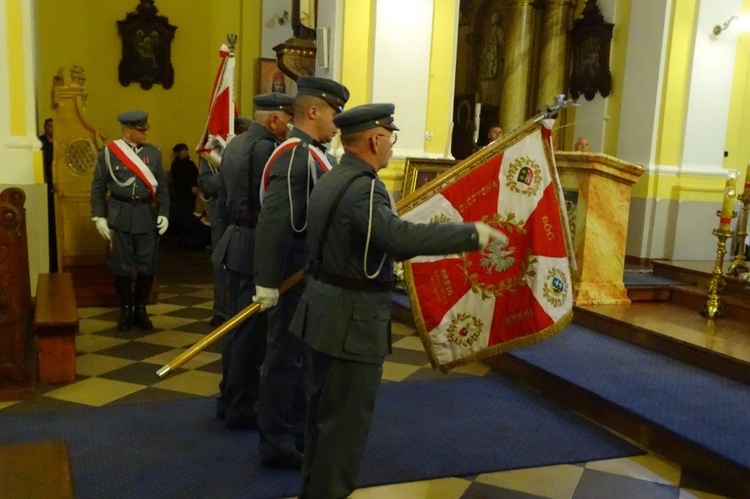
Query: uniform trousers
x=241, y=356
x=283, y=397
x=134, y=249
x=342, y=399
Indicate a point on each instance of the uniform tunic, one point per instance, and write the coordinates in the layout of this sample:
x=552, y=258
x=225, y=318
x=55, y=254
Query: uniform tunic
x=242, y=354
x=279, y=252
x=349, y=331
x=134, y=222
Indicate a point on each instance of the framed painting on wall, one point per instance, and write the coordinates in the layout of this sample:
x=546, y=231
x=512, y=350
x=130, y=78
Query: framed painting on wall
x=419, y=171
x=272, y=79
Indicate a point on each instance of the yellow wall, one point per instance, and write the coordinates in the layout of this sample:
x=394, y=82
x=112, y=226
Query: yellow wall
x=71, y=31
x=738, y=125
x=14, y=26
x=440, y=98
x=676, y=76
x=617, y=66
x=356, y=60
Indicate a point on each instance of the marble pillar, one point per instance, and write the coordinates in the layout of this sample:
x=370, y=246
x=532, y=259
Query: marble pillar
x=553, y=56
x=518, y=52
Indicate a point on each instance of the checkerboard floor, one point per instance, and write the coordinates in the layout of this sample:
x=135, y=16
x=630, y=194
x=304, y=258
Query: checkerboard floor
x=120, y=367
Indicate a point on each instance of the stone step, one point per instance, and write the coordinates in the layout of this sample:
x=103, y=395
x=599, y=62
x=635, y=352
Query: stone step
x=734, y=304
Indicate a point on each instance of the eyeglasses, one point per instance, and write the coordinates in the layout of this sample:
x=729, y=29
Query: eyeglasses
x=393, y=138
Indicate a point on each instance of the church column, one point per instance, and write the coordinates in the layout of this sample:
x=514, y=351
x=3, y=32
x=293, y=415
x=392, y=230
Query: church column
x=517, y=64
x=553, y=63
x=19, y=146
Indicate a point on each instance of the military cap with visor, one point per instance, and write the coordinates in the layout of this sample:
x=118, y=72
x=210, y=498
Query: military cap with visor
x=365, y=117
x=274, y=101
x=134, y=119
x=333, y=92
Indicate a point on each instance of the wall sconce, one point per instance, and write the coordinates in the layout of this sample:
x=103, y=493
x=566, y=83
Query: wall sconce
x=278, y=20
x=742, y=24
x=718, y=29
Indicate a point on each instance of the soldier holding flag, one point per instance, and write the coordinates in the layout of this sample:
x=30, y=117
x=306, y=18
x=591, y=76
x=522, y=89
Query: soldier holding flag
x=344, y=315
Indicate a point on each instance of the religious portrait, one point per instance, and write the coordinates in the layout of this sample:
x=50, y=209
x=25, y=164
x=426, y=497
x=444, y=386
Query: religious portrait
x=420, y=171
x=146, y=48
x=272, y=79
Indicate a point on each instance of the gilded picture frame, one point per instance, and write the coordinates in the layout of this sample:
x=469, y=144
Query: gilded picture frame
x=420, y=171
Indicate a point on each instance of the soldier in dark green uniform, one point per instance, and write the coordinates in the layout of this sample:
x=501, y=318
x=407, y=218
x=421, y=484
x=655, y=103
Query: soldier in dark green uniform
x=344, y=316
x=290, y=174
x=133, y=216
x=241, y=169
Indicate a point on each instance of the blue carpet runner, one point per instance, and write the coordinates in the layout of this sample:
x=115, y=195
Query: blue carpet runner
x=648, y=279
x=702, y=407
x=421, y=430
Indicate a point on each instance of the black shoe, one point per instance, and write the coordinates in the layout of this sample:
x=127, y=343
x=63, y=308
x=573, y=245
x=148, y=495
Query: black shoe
x=140, y=318
x=287, y=462
x=242, y=424
x=125, y=321
x=217, y=321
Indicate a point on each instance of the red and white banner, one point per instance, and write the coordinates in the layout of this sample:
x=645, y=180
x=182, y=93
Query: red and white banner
x=479, y=304
x=222, y=110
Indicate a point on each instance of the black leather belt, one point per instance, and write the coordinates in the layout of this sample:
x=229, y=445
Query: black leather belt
x=131, y=200
x=353, y=283
x=246, y=221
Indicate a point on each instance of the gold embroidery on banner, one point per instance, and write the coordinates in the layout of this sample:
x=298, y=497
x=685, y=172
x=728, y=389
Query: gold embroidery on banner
x=464, y=330
x=524, y=176
x=556, y=287
x=481, y=192
x=441, y=218
x=496, y=258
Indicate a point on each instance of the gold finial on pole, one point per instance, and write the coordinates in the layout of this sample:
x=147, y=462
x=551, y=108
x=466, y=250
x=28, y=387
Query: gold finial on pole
x=232, y=41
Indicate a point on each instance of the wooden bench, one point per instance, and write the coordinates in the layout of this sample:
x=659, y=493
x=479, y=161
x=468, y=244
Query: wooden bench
x=55, y=326
x=36, y=470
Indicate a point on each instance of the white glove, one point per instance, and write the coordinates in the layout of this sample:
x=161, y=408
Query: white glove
x=161, y=224
x=102, y=227
x=485, y=233
x=267, y=297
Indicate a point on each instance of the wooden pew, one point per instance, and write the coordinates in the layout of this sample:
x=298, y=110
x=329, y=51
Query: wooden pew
x=55, y=326
x=36, y=470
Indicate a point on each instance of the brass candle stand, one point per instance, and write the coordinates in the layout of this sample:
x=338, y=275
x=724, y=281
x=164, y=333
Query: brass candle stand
x=740, y=265
x=713, y=307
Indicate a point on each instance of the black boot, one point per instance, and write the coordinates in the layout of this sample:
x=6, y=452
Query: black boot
x=143, y=284
x=125, y=295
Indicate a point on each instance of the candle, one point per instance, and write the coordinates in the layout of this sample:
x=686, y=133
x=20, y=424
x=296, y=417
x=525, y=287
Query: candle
x=727, y=208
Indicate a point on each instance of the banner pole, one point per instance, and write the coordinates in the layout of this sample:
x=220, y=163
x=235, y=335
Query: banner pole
x=235, y=321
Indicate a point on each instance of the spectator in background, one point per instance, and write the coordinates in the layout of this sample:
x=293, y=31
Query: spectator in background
x=184, y=174
x=494, y=132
